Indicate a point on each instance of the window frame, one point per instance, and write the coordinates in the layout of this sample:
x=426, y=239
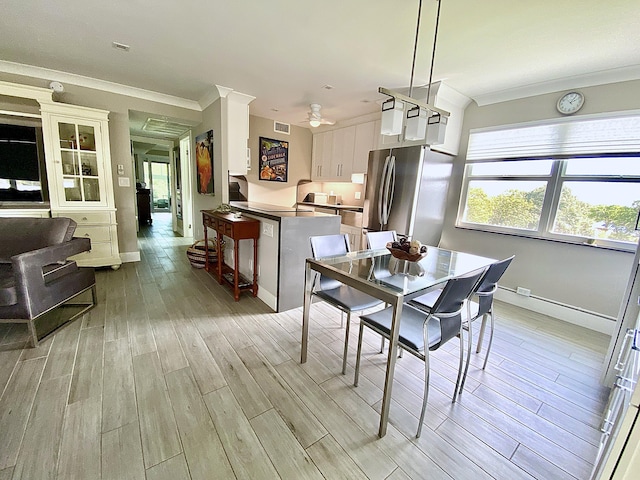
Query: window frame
x=555, y=181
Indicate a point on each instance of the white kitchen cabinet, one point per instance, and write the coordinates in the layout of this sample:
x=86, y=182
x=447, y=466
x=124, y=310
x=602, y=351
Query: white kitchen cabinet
x=355, y=235
x=365, y=141
x=321, y=156
x=339, y=153
x=342, y=154
x=80, y=180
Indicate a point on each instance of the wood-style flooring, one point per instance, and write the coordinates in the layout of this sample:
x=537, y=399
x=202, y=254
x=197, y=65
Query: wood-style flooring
x=169, y=378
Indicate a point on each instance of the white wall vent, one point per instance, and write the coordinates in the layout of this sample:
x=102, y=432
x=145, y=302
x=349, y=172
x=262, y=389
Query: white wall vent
x=282, y=128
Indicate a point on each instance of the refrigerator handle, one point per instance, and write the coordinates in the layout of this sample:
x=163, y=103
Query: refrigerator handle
x=391, y=185
x=381, y=194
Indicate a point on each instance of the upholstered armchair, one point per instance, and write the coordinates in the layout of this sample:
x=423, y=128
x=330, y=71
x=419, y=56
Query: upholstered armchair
x=36, y=275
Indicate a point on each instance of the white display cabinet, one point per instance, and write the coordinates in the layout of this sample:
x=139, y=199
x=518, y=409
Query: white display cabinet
x=78, y=162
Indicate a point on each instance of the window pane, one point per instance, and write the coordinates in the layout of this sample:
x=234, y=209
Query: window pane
x=601, y=210
x=603, y=166
x=519, y=168
x=515, y=204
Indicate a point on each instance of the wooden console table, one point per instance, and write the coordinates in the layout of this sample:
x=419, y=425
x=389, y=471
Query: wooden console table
x=236, y=228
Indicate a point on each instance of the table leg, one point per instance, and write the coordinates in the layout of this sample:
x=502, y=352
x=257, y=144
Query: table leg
x=308, y=285
x=220, y=257
x=236, y=264
x=391, y=365
x=206, y=249
x=255, y=267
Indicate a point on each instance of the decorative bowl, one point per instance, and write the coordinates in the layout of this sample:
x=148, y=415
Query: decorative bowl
x=402, y=255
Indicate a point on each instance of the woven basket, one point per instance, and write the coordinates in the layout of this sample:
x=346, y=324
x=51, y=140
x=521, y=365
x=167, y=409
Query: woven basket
x=196, y=253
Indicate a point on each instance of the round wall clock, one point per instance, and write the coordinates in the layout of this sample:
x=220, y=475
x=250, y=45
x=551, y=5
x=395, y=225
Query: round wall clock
x=570, y=103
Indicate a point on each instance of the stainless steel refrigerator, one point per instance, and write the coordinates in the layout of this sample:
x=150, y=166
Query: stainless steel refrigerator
x=406, y=191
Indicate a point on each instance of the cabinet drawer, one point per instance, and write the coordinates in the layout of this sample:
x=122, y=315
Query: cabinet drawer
x=96, y=234
x=223, y=227
x=86, y=218
x=98, y=250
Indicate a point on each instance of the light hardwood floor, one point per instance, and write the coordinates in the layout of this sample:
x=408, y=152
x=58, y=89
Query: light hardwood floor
x=169, y=378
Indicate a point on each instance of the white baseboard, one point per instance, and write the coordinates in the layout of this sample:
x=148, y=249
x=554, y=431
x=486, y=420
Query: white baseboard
x=130, y=257
x=566, y=313
x=267, y=297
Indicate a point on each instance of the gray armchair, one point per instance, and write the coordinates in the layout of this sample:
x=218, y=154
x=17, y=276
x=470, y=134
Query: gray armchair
x=35, y=275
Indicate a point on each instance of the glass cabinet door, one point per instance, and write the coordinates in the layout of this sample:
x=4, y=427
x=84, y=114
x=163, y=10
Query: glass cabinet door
x=80, y=163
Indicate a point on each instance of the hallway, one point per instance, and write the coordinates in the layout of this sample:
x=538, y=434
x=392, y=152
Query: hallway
x=169, y=378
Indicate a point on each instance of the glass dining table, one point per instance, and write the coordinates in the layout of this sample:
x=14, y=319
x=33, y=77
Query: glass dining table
x=393, y=281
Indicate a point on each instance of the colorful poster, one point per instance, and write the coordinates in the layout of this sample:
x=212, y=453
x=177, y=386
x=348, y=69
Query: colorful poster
x=204, y=162
x=274, y=160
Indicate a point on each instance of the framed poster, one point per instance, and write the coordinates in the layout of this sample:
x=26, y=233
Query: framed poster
x=204, y=162
x=274, y=160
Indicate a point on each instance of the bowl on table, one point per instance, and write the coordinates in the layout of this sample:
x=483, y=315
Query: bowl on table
x=402, y=255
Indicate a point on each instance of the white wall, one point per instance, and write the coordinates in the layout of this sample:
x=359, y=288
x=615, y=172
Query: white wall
x=211, y=120
x=586, y=277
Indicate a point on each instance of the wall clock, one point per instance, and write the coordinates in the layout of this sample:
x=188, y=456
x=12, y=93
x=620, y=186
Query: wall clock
x=570, y=103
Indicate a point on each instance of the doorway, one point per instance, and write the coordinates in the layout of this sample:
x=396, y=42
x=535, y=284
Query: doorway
x=158, y=179
x=183, y=184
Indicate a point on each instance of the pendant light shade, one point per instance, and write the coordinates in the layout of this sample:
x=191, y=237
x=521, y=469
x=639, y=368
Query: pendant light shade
x=436, y=129
x=423, y=119
x=392, y=113
x=416, y=124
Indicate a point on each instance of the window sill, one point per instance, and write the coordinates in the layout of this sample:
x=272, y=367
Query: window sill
x=630, y=250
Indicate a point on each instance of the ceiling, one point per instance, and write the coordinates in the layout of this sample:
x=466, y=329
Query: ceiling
x=284, y=52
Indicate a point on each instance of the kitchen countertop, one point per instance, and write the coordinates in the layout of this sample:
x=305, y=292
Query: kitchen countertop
x=275, y=212
x=355, y=208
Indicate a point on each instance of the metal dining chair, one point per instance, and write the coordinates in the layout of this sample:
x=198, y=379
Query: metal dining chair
x=335, y=293
x=379, y=240
x=482, y=307
x=421, y=332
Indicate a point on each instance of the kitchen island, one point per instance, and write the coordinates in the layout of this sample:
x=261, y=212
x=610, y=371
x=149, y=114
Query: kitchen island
x=282, y=250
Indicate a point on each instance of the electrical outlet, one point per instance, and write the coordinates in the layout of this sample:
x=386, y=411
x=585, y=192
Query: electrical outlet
x=358, y=194
x=525, y=292
x=267, y=229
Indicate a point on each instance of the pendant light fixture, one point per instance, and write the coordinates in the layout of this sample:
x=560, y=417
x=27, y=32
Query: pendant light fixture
x=422, y=117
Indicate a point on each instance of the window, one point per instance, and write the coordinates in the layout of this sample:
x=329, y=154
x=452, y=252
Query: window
x=578, y=197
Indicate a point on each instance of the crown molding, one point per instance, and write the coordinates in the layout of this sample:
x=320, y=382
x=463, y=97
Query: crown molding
x=602, y=77
x=88, y=82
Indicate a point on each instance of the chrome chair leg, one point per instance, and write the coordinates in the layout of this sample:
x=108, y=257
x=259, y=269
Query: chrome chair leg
x=346, y=343
x=469, y=341
x=400, y=350
x=483, y=325
x=462, y=376
x=357, y=373
x=341, y=319
x=425, y=397
x=491, y=325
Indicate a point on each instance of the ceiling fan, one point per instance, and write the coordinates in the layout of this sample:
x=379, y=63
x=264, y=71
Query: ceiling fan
x=315, y=117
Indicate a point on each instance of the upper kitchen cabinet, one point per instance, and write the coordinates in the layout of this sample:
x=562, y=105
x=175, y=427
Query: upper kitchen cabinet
x=321, y=156
x=365, y=142
x=235, y=132
x=339, y=153
x=344, y=140
x=79, y=175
